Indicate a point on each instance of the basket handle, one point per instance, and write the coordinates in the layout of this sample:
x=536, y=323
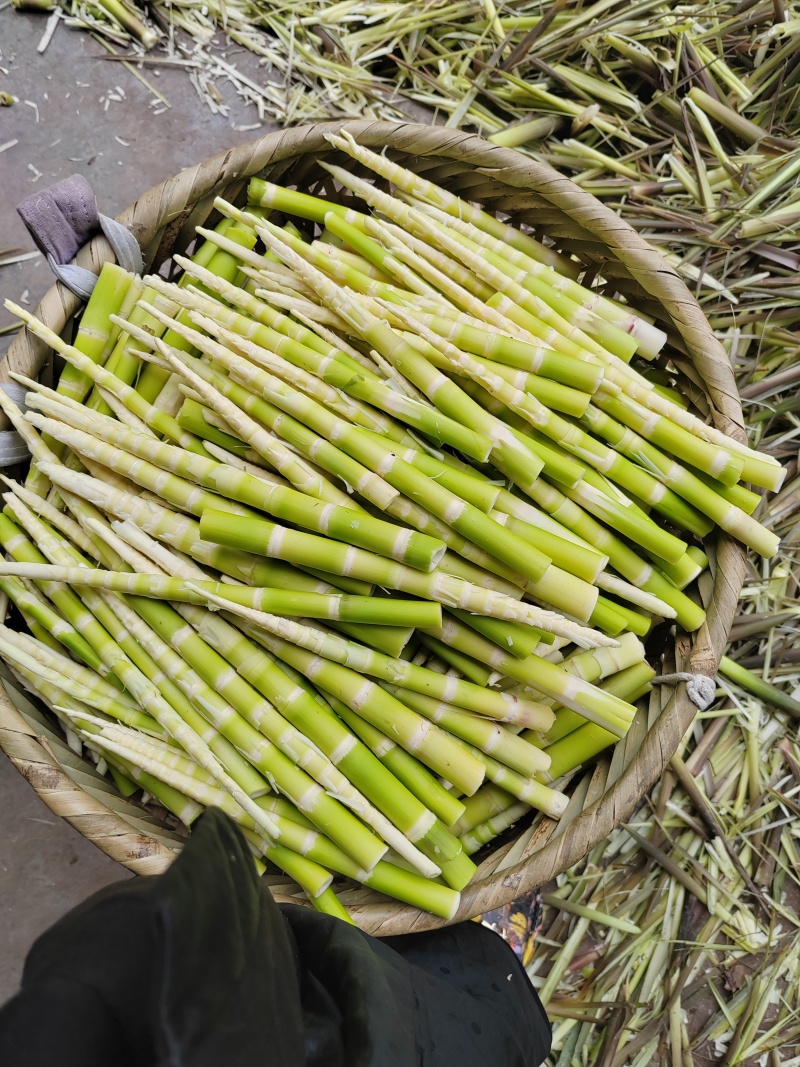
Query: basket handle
x=62, y=218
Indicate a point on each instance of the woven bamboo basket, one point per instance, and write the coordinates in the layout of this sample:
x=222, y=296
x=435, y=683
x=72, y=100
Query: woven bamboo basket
x=531, y=194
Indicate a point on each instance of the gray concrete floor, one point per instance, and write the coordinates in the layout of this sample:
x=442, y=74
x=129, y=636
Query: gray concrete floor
x=62, y=126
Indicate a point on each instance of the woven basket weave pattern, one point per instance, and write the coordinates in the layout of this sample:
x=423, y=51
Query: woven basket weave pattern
x=507, y=183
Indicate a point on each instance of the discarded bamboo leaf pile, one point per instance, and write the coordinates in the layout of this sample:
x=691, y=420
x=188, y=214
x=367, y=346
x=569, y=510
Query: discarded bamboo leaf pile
x=354, y=531
x=679, y=936
x=522, y=72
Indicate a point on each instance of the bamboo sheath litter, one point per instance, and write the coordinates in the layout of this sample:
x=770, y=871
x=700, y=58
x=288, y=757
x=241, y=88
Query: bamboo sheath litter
x=164, y=220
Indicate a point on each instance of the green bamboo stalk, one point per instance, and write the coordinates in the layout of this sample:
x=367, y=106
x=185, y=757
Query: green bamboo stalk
x=123, y=361
x=686, y=569
x=446, y=396
x=621, y=556
x=138, y=685
x=178, y=491
x=597, y=663
x=256, y=536
x=261, y=717
x=384, y=877
x=760, y=469
x=478, y=491
x=183, y=533
x=597, y=669
x=553, y=395
x=427, y=191
x=587, y=449
x=260, y=314
x=590, y=451
x=727, y=516
x=528, y=790
x=770, y=694
x=180, y=531
x=375, y=253
x=488, y=801
x=325, y=455
x=40, y=633
x=302, y=476
x=95, y=338
x=153, y=380
x=342, y=607
x=641, y=494
x=341, y=272
x=587, y=741
x=333, y=459
x=421, y=275
x=305, y=712
x=584, y=563
x=548, y=679
x=553, y=328
x=463, y=517
x=60, y=520
x=717, y=462
x=405, y=767
x=415, y=821
x=312, y=877
x=208, y=714
x=626, y=591
x=739, y=495
x=470, y=668
x=483, y=647
x=487, y=831
x=17, y=545
x=517, y=640
x=514, y=505
x=96, y=334
x=415, y=549
x=153, y=656
x=150, y=380
x=343, y=388
x=450, y=278
x=68, y=710
x=565, y=314
x=512, y=352
x=157, y=419
x=159, y=757
x=649, y=339
x=192, y=417
x=32, y=656
x=184, y=493
x=458, y=870
x=354, y=259
x=431, y=745
x=566, y=592
x=491, y=738
x=556, y=464
x=632, y=620
x=358, y=658
x=302, y=362
x=37, y=609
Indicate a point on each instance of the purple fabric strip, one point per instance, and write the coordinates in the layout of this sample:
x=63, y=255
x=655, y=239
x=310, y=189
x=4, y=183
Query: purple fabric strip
x=61, y=218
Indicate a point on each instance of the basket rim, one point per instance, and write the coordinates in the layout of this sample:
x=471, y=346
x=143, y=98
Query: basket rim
x=178, y=195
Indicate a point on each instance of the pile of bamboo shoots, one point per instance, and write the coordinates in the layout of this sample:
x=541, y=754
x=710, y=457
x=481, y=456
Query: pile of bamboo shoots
x=355, y=531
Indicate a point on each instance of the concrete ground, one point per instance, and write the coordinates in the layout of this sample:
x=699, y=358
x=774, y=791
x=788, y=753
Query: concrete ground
x=64, y=121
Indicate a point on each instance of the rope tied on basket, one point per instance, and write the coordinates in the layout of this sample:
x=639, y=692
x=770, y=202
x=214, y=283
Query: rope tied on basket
x=700, y=689
x=62, y=218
